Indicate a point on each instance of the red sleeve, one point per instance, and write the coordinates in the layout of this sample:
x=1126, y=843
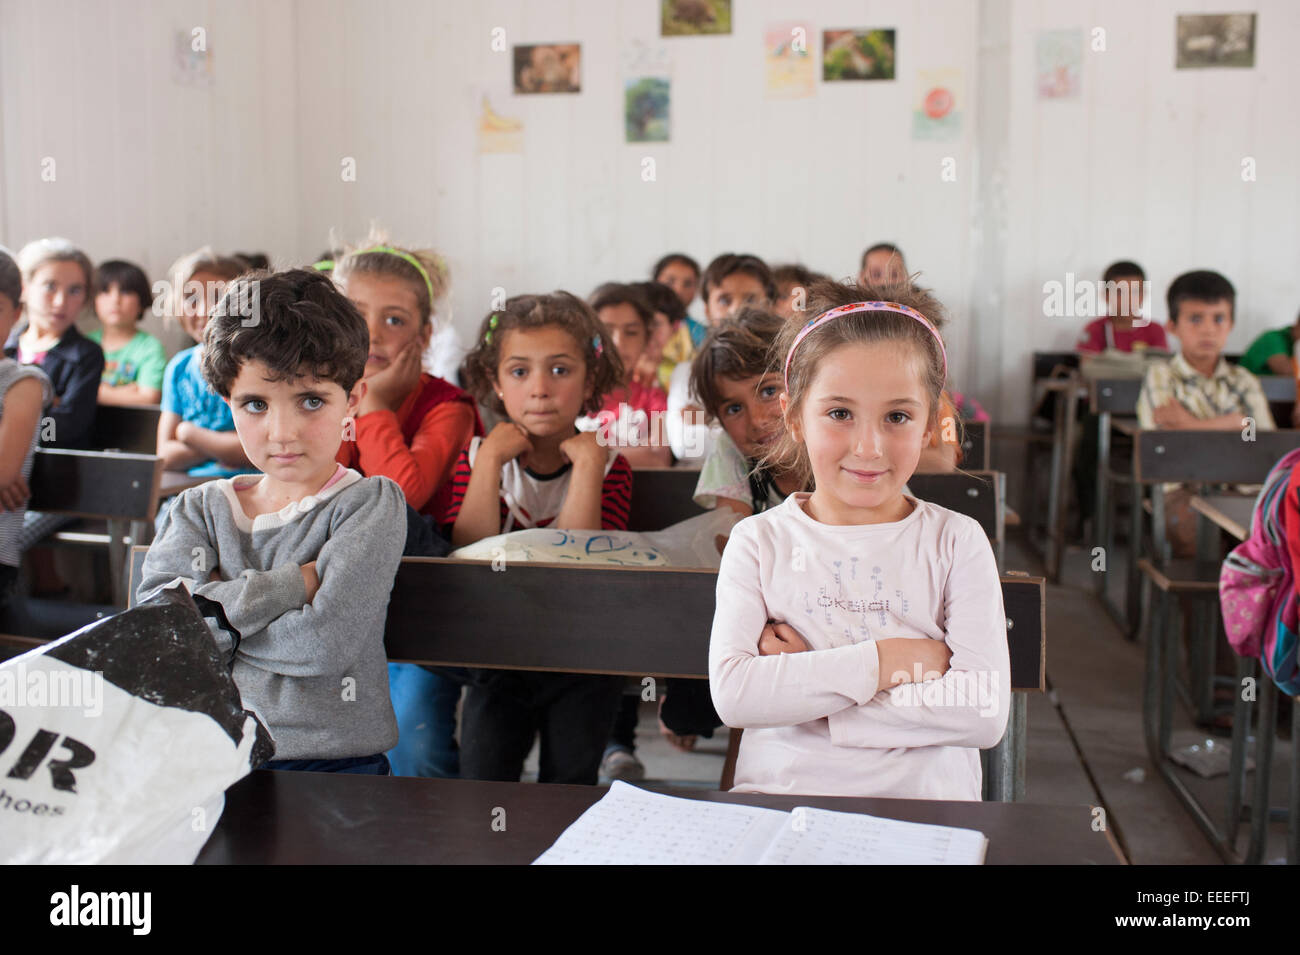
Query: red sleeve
x=656, y=400
x=616, y=496
x=1093, y=337
x=421, y=468
x=460, y=473
x=1155, y=336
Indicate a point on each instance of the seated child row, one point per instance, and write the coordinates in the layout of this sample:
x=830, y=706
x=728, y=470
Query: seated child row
x=298, y=561
x=1197, y=388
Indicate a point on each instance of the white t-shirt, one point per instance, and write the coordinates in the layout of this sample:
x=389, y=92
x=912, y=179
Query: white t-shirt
x=532, y=500
x=814, y=724
x=726, y=474
x=690, y=442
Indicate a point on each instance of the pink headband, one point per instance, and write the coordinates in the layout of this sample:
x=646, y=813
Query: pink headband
x=843, y=310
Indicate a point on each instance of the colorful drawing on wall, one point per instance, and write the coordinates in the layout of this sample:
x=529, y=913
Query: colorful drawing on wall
x=936, y=114
x=857, y=55
x=192, y=58
x=1060, y=63
x=694, y=17
x=497, y=133
x=790, y=67
x=1216, y=40
x=645, y=109
x=548, y=68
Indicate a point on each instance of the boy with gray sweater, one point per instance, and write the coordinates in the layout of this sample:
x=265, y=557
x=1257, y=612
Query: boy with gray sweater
x=292, y=568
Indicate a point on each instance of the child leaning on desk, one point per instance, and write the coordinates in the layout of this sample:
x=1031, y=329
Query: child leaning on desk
x=835, y=605
x=1197, y=388
x=539, y=363
x=292, y=568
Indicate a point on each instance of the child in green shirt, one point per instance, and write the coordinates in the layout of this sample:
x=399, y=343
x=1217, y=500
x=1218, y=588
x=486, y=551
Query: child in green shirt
x=134, y=361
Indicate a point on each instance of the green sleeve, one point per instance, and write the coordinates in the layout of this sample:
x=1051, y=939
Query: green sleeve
x=1275, y=342
x=152, y=363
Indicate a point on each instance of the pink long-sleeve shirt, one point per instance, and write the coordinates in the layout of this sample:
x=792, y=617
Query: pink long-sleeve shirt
x=814, y=723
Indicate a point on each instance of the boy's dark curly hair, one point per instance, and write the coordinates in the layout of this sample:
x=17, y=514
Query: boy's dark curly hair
x=295, y=322
x=604, y=369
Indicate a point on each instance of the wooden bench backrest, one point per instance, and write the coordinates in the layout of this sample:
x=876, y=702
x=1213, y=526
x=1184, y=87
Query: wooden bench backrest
x=1216, y=457
x=975, y=445
x=661, y=497
x=977, y=494
x=588, y=618
x=104, y=484
x=1119, y=396
x=130, y=428
x=1045, y=362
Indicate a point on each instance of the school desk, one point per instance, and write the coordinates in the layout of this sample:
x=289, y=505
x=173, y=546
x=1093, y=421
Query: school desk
x=1230, y=515
x=275, y=817
x=173, y=482
x=1231, y=512
x=117, y=492
x=1068, y=392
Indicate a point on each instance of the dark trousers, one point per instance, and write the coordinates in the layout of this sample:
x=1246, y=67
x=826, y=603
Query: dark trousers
x=623, y=735
x=505, y=710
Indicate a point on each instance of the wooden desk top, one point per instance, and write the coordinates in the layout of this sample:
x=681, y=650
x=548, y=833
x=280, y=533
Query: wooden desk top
x=294, y=817
x=1232, y=512
x=1128, y=426
x=173, y=482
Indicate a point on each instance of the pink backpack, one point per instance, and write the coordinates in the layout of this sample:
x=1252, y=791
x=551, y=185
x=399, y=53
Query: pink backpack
x=1257, y=586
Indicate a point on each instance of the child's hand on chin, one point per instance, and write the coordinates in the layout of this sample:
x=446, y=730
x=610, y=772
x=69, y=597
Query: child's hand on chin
x=583, y=449
x=780, y=638
x=506, y=442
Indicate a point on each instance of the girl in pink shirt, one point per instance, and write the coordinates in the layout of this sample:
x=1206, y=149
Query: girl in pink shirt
x=859, y=637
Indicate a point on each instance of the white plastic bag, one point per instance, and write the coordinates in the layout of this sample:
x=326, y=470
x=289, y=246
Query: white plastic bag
x=689, y=543
x=117, y=742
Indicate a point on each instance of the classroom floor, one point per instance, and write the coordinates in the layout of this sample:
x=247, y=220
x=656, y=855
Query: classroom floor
x=1085, y=742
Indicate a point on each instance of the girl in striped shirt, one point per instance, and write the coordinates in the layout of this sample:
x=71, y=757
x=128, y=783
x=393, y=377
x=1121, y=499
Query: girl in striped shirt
x=539, y=363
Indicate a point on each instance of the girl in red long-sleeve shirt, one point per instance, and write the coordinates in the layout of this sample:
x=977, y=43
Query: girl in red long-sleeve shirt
x=411, y=425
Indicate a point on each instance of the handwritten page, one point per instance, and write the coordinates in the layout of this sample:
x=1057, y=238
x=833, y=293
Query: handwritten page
x=630, y=826
x=821, y=837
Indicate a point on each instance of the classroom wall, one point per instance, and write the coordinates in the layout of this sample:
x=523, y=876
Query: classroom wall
x=1144, y=164
x=146, y=168
x=814, y=179
x=1147, y=164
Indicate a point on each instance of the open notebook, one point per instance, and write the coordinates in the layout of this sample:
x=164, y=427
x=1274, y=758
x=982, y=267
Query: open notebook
x=630, y=826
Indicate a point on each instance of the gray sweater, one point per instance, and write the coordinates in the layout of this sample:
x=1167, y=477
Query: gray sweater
x=317, y=672
x=11, y=522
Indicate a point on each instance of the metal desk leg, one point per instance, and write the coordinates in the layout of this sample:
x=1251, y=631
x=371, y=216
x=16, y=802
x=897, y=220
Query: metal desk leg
x=116, y=558
x=1203, y=631
x=1237, y=757
x=1132, y=608
x=1004, y=764
x=1265, y=728
x=1054, y=491
x=1293, y=809
x=1102, y=533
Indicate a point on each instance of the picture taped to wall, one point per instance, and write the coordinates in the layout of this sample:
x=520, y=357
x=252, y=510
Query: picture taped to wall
x=192, y=58
x=694, y=17
x=936, y=115
x=497, y=133
x=646, y=102
x=790, y=67
x=1216, y=40
x=548, y=68
x=1060, y=63
x=857, y=55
